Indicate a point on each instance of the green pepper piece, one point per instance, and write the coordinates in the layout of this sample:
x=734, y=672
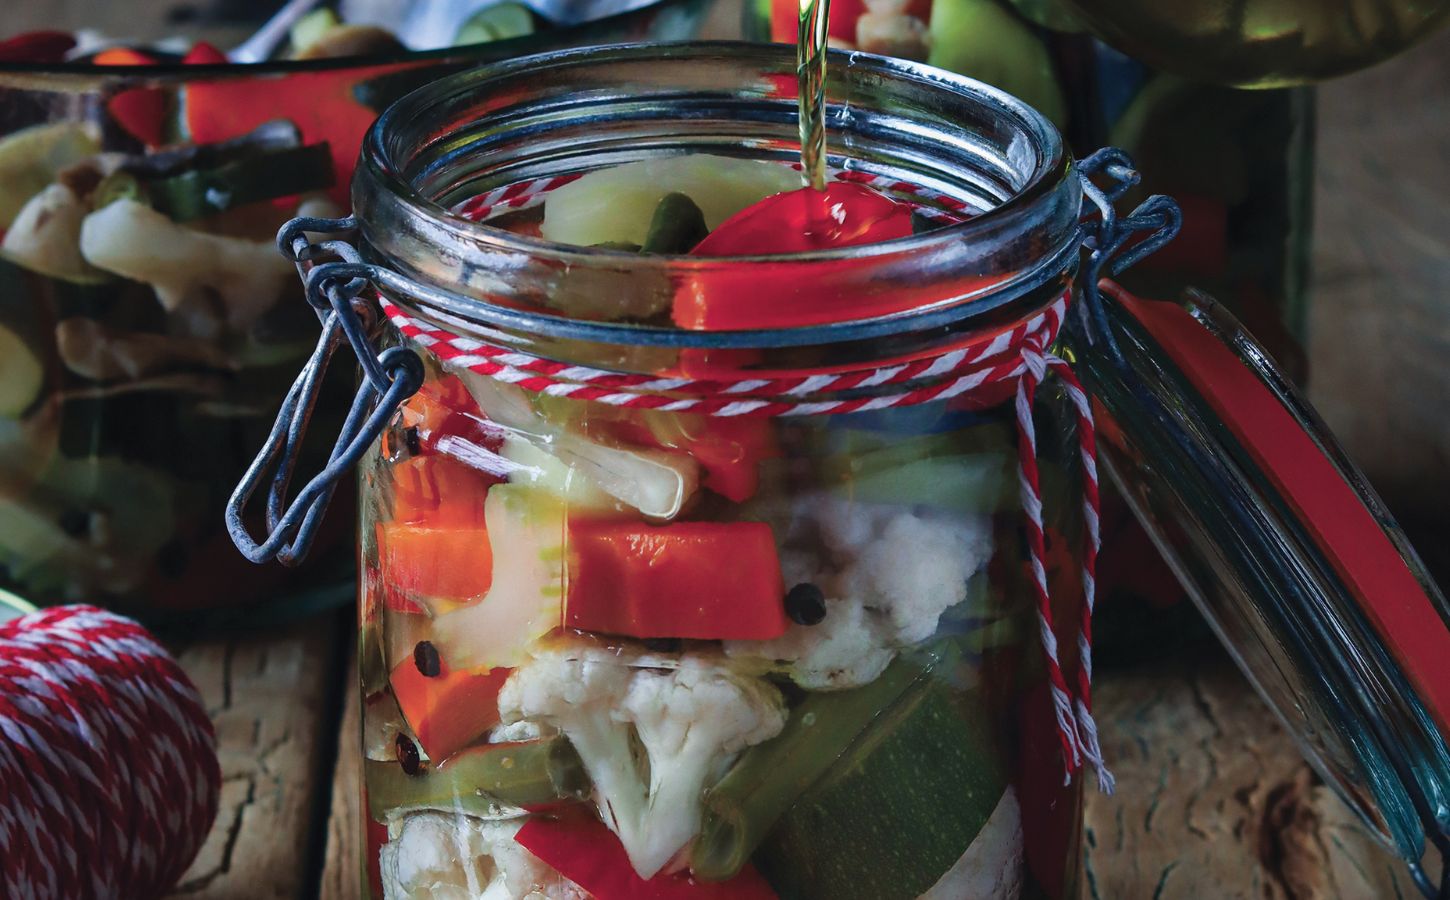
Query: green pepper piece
x=261, y=176
x=676, y=227
x=479, y=780
x=118, y=186
x=769, y=779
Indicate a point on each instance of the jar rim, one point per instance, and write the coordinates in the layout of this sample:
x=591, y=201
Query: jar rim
x=1051, y=175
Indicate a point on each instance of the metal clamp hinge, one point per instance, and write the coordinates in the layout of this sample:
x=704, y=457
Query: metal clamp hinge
x=336, y=292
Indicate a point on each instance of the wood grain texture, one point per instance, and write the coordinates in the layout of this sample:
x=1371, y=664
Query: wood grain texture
x=1214, y=800
x=1380, y=309
x=342, y=860
x=270, y=697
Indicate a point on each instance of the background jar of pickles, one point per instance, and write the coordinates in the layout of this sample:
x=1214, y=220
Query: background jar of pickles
x=147, y=322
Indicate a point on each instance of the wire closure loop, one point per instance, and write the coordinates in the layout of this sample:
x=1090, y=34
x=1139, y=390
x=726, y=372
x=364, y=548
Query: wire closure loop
x=1016, y=362
x=335, y=292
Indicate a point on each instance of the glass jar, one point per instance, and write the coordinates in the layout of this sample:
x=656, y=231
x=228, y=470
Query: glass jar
x=802, y=610
x=133, y=389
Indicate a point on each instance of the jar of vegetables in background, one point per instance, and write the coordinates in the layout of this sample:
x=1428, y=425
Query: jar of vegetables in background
x=726, y=538
x=147, y=320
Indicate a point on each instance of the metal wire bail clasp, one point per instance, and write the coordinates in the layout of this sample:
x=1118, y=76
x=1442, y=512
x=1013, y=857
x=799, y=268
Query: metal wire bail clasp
x=1116, y=242
x=335, y=290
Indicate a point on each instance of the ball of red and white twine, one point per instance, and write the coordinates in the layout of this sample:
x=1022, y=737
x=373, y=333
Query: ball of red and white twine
x=109, y=779
x=1009, y=364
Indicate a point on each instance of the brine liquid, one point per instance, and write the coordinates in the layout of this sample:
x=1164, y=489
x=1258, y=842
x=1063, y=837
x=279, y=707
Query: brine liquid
x=1263, y=43
x=811, y=74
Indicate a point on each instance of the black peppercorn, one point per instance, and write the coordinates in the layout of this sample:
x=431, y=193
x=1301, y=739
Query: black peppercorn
x=411, y=440
x=425, y=657
x=805, y=604
x=75, y=522
x=408, y=754
x=663, y=645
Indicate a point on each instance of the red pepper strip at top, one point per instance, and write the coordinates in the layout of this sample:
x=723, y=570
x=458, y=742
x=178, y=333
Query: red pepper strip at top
x=775, y=295
x=203, y=54
x=729, y=450
x=141, y=111
x=701, y=580
x=588, y=854
x=37, y=47
x=321, y=104
x=841, y=26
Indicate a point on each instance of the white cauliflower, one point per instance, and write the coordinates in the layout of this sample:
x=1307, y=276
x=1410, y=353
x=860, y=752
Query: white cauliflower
x=438, y=856
x=991, y=869
x=689, y=721
x=188, y=269
x=888, y=573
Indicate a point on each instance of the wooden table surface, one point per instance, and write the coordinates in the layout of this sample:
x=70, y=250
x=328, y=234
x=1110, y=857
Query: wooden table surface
x=1213, y=800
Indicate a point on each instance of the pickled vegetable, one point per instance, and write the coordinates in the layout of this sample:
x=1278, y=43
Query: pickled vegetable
x=477, y=781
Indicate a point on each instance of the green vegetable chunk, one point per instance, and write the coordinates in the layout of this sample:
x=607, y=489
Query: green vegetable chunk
x=262, y=176
x=480, y=780
x=777, y=782
x=498, y=22
x=677, y=226
x=901, y=807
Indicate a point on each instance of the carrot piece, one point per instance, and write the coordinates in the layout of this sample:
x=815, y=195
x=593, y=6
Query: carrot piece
x=449, y=710
x=453, y=563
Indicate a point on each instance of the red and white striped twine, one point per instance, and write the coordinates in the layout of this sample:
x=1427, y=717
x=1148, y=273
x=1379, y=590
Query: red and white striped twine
x=1015, y=359
x=108, y=764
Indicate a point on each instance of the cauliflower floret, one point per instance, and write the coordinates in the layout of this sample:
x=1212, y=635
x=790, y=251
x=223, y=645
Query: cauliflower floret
x=519, y=731
x=689, y=721
x=992, y=866
x=436, y=856
x=887, y=572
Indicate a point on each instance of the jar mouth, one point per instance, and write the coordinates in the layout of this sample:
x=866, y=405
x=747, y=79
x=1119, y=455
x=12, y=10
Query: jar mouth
x=469, y=133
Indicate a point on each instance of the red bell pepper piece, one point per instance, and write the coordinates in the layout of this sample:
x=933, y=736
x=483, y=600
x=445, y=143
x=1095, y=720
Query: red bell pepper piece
x=452, y=563
x=773, y=295
x=588, y=854
x=142, y=111
x=701, y=580
x=204, y=54
x=37, y=47
x=321, y=104
x=841, y=24
x=447, y=711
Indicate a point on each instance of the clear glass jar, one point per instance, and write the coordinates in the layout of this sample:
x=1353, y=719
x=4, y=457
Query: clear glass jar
x=133, y=391
x=647, y=609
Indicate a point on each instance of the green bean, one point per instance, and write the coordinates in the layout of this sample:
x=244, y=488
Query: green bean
x=768, y=779
x=677, y=226
x=480, y=780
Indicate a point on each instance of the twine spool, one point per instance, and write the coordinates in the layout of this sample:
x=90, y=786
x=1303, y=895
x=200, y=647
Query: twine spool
x=109, y=779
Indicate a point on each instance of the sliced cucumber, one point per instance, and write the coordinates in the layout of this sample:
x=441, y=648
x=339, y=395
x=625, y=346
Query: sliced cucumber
x=978, y=483
x=22, y=377
x=498, y=22
x=31, y=157
x=619, y=203
x=677, y=226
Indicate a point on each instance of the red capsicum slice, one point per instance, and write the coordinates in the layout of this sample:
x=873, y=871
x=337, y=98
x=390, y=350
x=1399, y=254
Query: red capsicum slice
x=700, y=580
x=767, y=294
x=37, y=47
x=450, y=710
x=588, y=854
x=321, y=104
x=141, y=111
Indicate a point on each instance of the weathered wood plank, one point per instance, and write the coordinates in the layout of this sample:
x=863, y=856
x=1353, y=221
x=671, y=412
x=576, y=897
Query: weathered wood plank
x=1211, y=791
x=269, y=696
x=342, y=862
x=1380, y=308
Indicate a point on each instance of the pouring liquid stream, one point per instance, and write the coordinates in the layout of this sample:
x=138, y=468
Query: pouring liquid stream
x=811, y=77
